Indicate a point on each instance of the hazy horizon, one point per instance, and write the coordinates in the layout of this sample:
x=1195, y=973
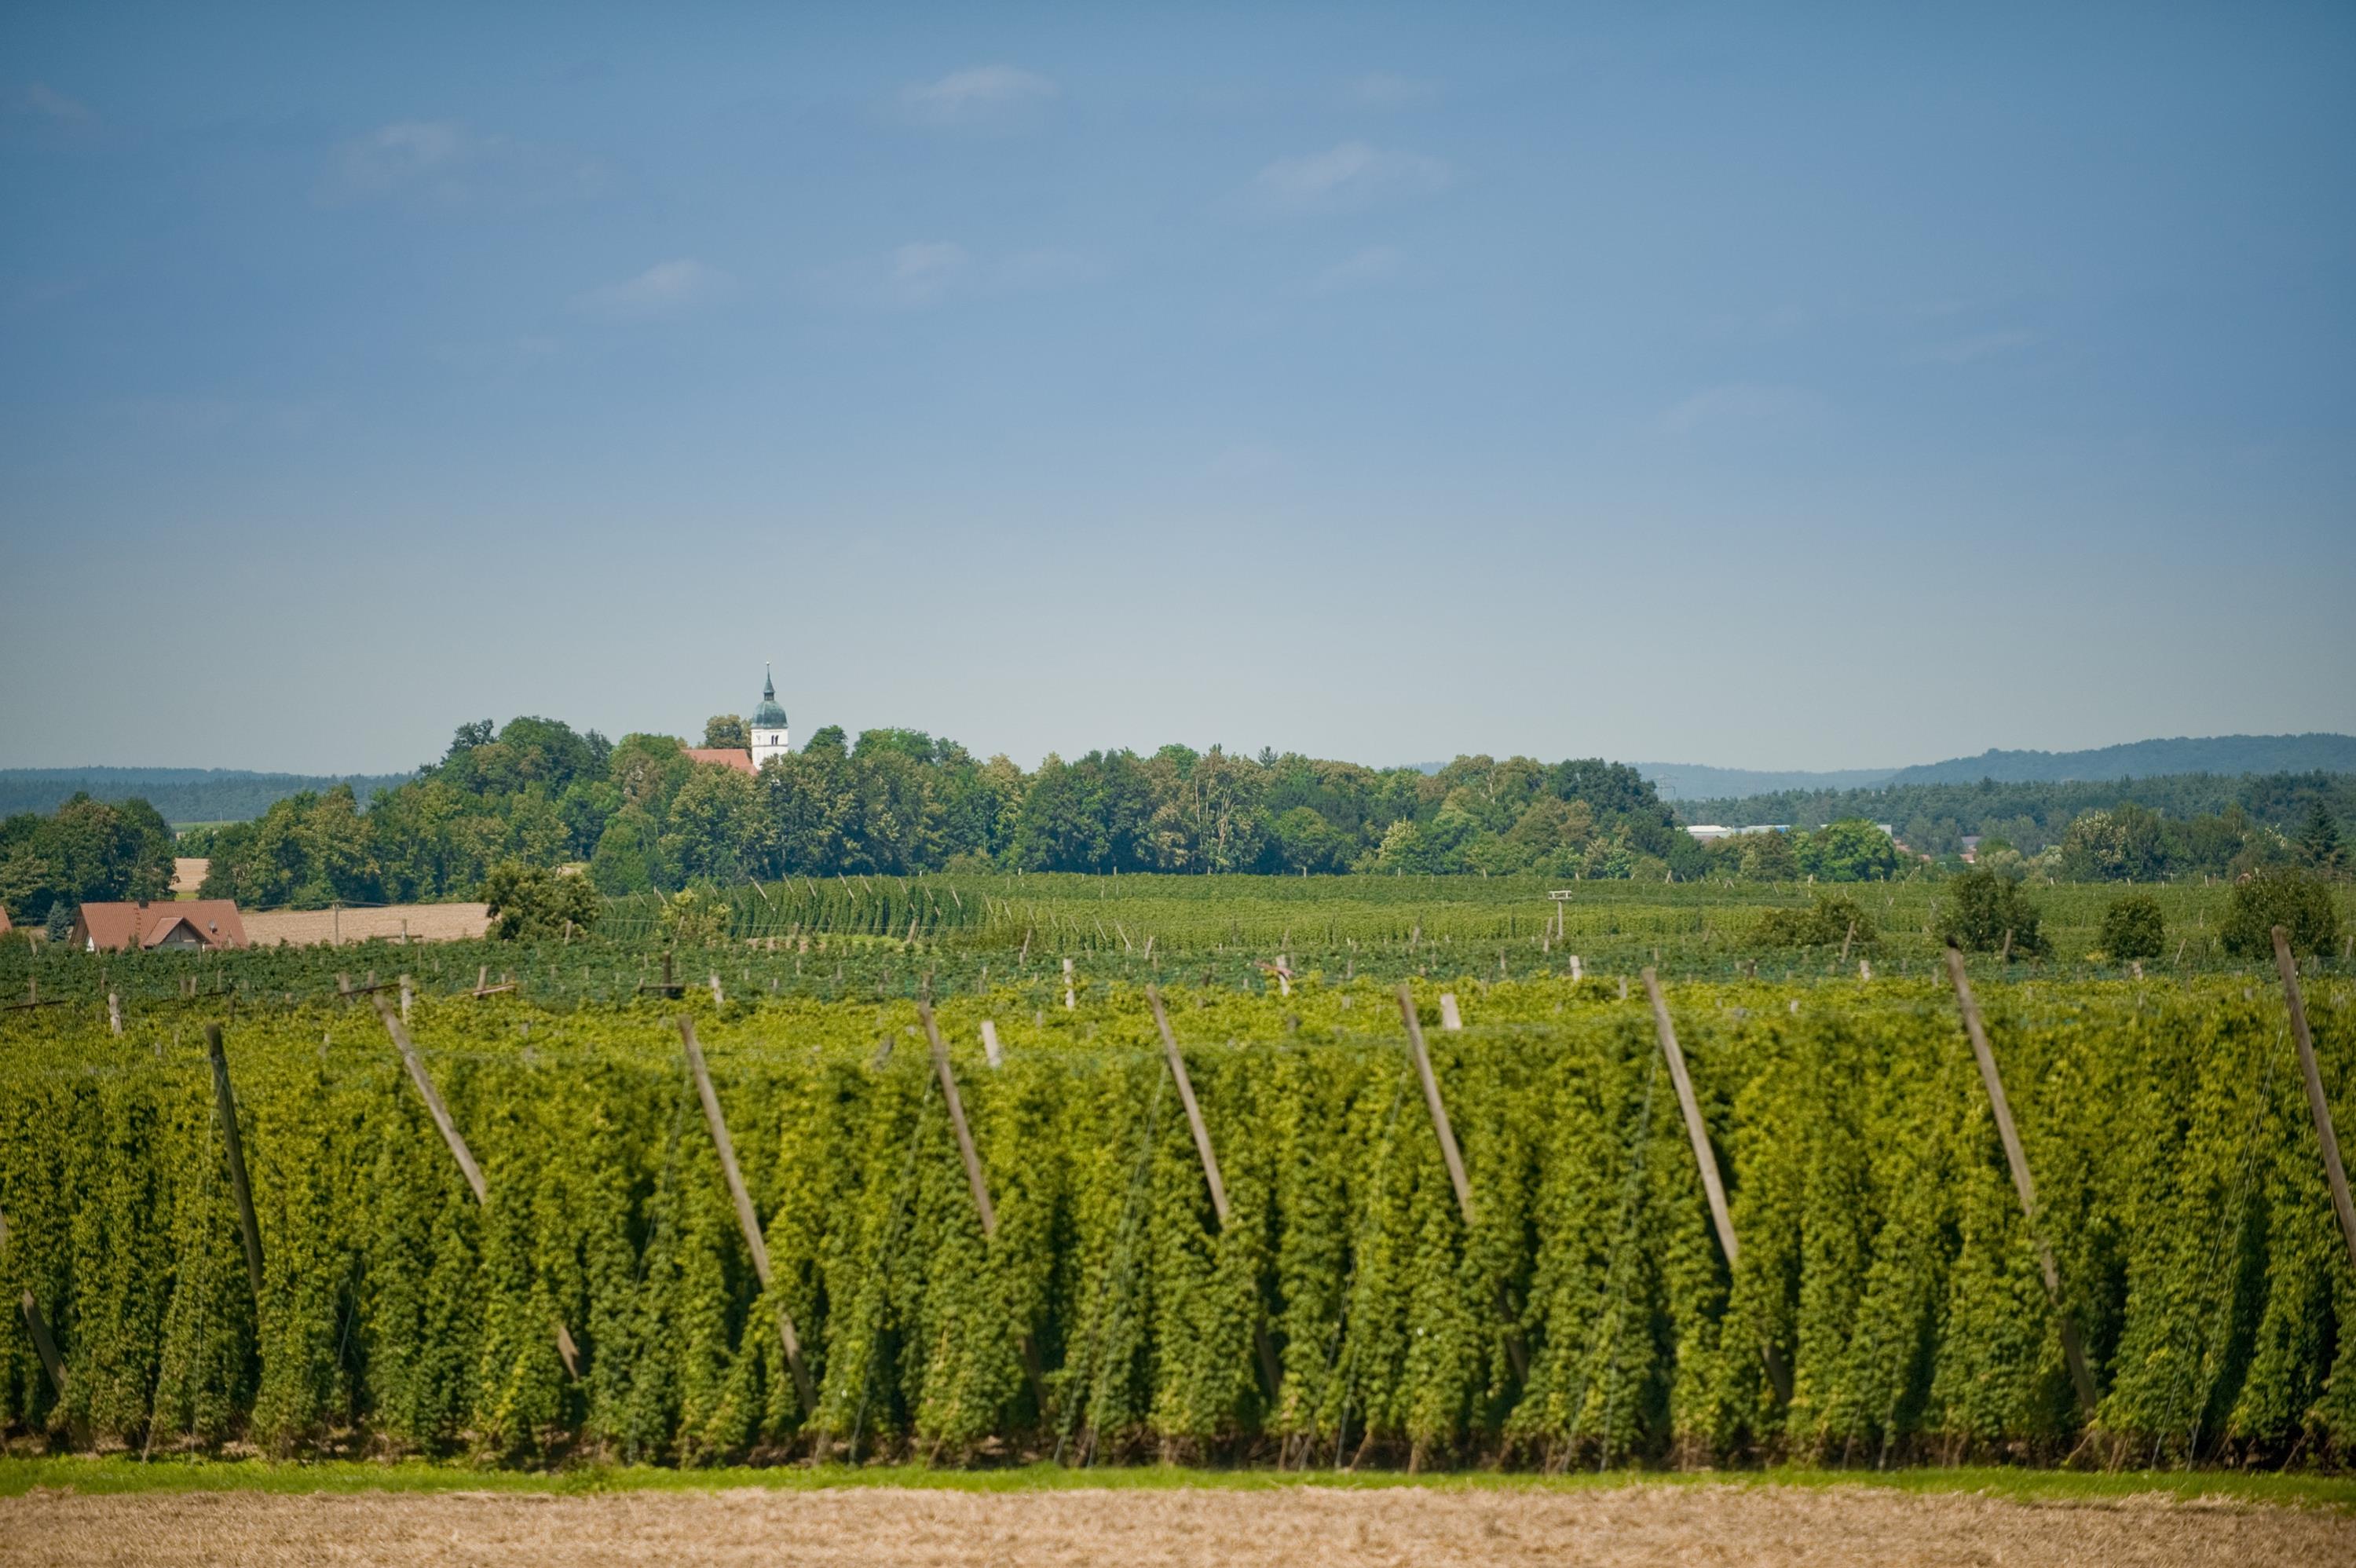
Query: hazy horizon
x=1779, y=395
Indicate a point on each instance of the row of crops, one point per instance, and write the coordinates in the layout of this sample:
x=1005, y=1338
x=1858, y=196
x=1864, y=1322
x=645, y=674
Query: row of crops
x=1074, y=914
x=1346, y=1310
x=889, y=936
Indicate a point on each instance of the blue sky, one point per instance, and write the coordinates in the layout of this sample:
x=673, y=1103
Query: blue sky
x=1814, y=386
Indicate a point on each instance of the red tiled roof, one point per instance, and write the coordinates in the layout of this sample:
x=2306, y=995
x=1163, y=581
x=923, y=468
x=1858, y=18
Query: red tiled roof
x=722, y=756
x=114, y=927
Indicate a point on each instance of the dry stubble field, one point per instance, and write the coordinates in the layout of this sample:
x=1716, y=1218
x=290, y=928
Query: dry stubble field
x=1303, y=1527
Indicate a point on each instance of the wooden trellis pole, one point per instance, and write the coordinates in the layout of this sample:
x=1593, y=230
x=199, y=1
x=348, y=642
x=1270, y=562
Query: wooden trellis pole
x=248, y=1230
x=45, y=1347
x=2335, y=1172
x=747, y=1220
x=1268, y=1367
x=38, y=1328
x=974, y=1180
x=2017, y=1158
x=966, y=1150
x=1455, y=1159
x=1713, y=1188
x=566, y=1347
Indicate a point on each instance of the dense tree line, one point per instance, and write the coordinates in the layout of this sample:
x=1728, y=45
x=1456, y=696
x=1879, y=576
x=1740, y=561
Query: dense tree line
x=640, y=814
x=1934, y=818
x=86, y=849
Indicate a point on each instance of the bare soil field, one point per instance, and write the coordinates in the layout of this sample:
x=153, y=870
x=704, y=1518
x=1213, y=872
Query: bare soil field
x=1304, y=1527
x=420, y=923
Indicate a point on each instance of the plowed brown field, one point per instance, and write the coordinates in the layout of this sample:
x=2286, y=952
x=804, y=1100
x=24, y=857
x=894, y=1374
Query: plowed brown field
x=1289, y=1527
x=395, y=922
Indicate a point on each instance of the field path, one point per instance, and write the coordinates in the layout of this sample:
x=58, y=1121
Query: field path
x=1285, y=1528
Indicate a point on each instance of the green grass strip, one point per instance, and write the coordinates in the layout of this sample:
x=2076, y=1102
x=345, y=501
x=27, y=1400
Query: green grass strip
x=118, y=1474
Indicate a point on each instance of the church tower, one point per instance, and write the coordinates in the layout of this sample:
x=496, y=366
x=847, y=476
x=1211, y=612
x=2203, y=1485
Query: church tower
x=768, y=726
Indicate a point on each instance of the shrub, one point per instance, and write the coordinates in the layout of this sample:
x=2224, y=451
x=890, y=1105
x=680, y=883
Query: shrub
x=1989, y=909
x=1828, y=920
x=2295, y=901
x=2132, y=928
x=531, y=902
x=691, y=919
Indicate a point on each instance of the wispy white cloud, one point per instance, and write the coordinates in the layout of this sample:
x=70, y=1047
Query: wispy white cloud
x=1374, y=264
x=1772, y=325
x=1979, y=345
x=989, y=95
x=1742, y=404
x=664, y=289
x=1043, y=269
x=40, y=97
x=1349, y=176
x=442, y=161
x=925, y=272
x=1381, y=89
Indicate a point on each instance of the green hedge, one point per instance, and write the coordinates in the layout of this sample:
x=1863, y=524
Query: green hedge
x=1882, y=1253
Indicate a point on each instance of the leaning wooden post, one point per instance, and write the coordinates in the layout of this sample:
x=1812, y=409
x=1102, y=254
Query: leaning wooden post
x=1448, y=1150
x=440, y=1113
x=247, y=1230
x=1697, y=1132
x=981, y=1204
x=966, y=1150
x=566, y=1347
x=2018, y=1159
x=38, y=1328
x=2316, y=1103
x=990, y=1047
x=746, y=1219
x=45, y=1347
x=1455, y=1159
x=1267, y=1362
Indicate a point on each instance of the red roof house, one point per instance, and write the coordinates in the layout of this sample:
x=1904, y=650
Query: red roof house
x=167, y=924
x=722, y=756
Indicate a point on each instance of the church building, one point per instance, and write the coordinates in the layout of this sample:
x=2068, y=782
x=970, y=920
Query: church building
x=766, y=732
x=768, y=726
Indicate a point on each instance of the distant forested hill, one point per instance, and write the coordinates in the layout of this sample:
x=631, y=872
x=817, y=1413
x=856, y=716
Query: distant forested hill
x=2032, y=814
x=2230, y=755
x=181, y=795
x=1696, y=781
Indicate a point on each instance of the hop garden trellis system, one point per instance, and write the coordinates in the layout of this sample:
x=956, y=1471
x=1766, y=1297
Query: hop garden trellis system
x=1528, y=1270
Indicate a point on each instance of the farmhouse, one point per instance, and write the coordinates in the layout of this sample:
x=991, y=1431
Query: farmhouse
x=181, y=924
x=767, y=732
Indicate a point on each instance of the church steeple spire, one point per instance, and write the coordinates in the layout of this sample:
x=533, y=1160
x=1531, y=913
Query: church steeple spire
x=769, y=735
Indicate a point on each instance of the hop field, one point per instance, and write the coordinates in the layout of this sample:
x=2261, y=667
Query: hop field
x=1584, y=1315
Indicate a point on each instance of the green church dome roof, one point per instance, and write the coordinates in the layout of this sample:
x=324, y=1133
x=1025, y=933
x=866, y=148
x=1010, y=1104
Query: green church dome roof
x=768, y=716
